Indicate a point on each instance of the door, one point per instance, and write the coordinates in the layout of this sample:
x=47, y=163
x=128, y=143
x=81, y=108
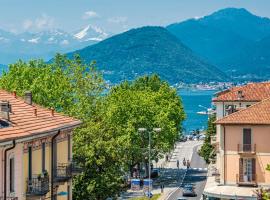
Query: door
x=246, y=139
x=247, y=170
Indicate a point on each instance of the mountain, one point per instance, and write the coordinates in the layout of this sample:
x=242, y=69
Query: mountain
x=148, y=50
x=224, y=37
x=45, y=44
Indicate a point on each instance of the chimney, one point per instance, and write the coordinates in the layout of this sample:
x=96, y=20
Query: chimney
x=5, y=109
x=240, y=94
x=28, y=97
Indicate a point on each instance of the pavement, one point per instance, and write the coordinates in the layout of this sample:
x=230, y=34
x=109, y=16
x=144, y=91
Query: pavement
x=170, y=175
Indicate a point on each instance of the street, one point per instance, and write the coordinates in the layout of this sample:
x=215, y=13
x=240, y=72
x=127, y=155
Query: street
x=196, y=175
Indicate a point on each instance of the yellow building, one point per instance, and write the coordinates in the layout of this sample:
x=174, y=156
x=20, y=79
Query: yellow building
x=36, y=150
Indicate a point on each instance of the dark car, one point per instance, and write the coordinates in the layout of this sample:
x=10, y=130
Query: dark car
x=188, y=191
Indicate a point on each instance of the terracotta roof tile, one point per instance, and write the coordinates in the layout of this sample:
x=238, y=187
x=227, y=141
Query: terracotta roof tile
x=25, y=123
x=250, y=92
x=258, y=113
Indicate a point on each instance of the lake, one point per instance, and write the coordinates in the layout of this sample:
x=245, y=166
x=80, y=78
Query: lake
x=191, y=101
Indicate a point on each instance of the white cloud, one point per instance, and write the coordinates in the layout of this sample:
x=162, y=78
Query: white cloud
x=117, y=20
x=41, y=23
x=90, y=15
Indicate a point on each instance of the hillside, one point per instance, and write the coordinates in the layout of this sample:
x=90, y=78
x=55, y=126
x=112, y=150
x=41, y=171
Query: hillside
x=225, y=37
x=149, y=50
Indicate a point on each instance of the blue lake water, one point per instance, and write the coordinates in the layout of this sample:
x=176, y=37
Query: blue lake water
x=191, y=101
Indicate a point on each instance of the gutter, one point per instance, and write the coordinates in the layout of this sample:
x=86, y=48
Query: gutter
x=5, y=168
x=52, y=163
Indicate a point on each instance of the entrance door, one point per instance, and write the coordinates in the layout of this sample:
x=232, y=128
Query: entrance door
x=247, y=170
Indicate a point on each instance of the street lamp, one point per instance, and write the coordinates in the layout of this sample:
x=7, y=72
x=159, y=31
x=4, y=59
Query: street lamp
x=142, y=130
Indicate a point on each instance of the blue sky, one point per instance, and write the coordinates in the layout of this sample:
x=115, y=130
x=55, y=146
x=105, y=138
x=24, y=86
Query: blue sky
x=111, y=15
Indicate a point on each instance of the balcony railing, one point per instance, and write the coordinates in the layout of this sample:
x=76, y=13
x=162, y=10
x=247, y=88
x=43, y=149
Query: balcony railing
x=246, y=148
x=214, y=140
x=62, y=172
x=38, y=186
x=75, y=168
x=246, y=180
x=9, y=198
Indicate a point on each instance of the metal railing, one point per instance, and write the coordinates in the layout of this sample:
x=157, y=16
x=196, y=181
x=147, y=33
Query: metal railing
x=243, y=179
x=9, y=198
x=62, y=172
x=38, y=186
x=75, y=168
x=246, y=148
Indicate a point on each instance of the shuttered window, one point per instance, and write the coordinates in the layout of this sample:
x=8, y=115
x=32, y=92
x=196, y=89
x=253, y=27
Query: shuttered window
x=30, y=163
x=241, y=170
x=253, y=169
x=43, y=156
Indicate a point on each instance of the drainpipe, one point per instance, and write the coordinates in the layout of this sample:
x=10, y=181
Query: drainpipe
x=52, y=164
x=5, y=168
x=224, y=141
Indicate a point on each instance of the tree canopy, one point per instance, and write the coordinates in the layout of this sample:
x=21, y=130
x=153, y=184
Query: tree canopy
x=108, y=143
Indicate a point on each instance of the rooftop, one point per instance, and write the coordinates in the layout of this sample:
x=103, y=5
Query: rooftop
x=29, y=120
x=251, y=92
x=258, y=113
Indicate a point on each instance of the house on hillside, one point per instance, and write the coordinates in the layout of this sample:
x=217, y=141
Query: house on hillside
x=241, y=143
x=35, y=150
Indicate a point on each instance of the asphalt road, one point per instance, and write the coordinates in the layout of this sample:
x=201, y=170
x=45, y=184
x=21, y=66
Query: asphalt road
x=197, y=175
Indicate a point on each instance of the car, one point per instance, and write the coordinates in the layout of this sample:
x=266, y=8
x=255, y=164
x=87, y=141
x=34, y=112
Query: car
x=188, y=191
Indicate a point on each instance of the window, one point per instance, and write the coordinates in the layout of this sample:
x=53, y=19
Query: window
x=30, y=163
x=68, y=192
x=43, y=156
x=11, y=175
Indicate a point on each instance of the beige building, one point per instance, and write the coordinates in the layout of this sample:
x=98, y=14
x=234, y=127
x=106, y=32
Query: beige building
x=35, y=150
x=243, y=152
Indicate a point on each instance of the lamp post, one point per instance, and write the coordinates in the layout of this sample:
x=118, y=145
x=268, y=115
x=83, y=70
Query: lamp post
x=142, y=130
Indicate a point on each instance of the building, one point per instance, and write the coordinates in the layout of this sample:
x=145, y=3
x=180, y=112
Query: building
x=243, y=126
x=35, y=150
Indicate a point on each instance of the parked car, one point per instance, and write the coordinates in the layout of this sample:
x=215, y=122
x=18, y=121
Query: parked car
x=188, y=191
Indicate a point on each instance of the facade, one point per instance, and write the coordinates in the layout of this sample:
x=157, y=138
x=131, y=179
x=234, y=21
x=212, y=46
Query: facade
x=243, y=126
x=35, y=150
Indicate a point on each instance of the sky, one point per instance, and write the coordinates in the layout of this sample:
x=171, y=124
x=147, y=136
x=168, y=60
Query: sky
x=113, y=16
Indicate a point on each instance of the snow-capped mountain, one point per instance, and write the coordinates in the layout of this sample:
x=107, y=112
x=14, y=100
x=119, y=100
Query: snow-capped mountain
x=91, y=33
x=45, y=44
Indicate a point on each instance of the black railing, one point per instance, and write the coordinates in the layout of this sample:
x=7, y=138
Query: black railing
x=62, y=172
x=246, y=148
x=9, y=198
x=38, y=186
x=75, y=168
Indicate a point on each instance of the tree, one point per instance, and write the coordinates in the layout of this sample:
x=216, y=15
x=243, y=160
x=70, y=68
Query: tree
x=207, y=150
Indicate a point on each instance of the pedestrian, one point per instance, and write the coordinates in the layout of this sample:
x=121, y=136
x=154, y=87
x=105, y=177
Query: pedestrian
x=177, y=164
x=161, y=188
x=188, y=164
x=167, y=157
x=184, y=162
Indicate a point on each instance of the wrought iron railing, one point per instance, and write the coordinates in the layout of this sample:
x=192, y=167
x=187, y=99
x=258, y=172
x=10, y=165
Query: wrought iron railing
x=9, y=198
x=246, y=148
x=62, y=172
x=75, y=168
x=38, y=185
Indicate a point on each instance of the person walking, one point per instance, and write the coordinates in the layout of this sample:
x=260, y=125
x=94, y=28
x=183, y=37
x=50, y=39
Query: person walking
x=184, y=162
x=188, y=164
x=177, y=164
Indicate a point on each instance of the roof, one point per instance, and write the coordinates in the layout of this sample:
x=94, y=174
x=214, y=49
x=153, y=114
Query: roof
x=24, y=122
x=257, y=114
x=251, y=92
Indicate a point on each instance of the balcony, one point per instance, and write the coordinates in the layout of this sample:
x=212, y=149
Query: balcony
x=62, y=172
x=246, y=148
x=9, y=198
x=75, y=168
x=214, y=140
x=244, y=180
x=38, y=185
